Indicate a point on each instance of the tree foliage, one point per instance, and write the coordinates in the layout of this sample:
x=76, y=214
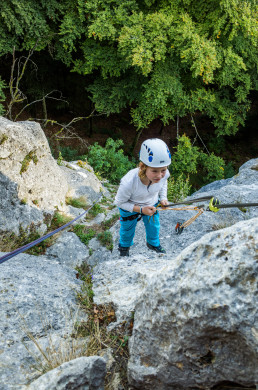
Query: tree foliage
x=162, y=59
x=109, y=161
x=190, y=163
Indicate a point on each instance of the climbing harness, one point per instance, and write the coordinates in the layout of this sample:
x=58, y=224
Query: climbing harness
x=213, y=206
x=132, y=217
x=24, y=248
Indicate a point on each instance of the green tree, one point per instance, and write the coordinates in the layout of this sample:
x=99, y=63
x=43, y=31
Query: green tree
x=162, y=59
x=167, y=58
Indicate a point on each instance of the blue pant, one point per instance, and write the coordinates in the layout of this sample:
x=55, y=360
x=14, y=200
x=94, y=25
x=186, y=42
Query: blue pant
x=127, y=228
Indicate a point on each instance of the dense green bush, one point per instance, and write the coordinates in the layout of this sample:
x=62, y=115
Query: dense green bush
x=178, y=189
x=106, y=239
x=212, y=166
x=110, y=161
x=184, y=159
x=189, y=163
x=85, y=234
x=70, y=154
x=229, y=170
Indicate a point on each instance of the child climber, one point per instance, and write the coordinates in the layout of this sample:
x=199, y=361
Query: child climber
x=140, y=190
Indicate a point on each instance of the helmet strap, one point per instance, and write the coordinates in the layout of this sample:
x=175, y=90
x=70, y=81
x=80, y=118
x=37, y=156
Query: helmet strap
x=149, y=185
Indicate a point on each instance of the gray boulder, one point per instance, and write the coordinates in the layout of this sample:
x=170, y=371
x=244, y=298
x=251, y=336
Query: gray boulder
x=37, y=296
x=14, y=215
x=195, y=325
x=32, y=185
x=68, y=250
x=84, y=373
x=241, y=188
x=25, y=158
x=82, y=182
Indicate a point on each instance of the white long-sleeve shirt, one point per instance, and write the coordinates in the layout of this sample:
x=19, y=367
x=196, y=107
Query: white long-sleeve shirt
x=133, y=192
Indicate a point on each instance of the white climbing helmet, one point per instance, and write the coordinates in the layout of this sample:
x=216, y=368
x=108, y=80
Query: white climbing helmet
x=155, y=153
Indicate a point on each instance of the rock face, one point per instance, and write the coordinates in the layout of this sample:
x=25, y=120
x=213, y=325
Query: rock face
x=25, y=158
x=194, y=308
x=14, y=214
x=196, y=322
x=82, y=181
x=85, y=373
x=37, y=296
x=32, y=185
x=70, y=255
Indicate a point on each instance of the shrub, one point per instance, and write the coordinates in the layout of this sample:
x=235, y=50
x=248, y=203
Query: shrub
x=110, y=161
x=106, y=239
x=111, y=221
x=217, y=144
x=194, y=167
x=213, y=167
x=185, y=159
x=69, y=154
x=178, y=189
x=229, y=170
x=84, y=234
x=94, y=211
x=59, y=220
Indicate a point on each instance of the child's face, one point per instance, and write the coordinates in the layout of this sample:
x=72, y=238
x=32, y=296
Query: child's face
x=155, y=174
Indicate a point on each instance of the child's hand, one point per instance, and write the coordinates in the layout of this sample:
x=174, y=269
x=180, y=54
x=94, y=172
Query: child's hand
x=163, y=202
x=149, y=210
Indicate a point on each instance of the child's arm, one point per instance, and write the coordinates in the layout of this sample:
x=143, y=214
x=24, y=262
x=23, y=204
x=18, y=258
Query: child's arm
x=163, y=194
x=122, y=197
x=147, y=210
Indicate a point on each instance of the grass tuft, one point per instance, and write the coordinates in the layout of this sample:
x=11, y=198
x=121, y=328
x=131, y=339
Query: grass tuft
x=106, y=239
x=94, y=211
x=79, y=203
x=96, y=329
x=85, y=234
x=58, y=350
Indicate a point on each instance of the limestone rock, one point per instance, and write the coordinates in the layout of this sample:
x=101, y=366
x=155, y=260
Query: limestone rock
x=195, y=324
x=84, y=373
x=68, y=250
x=32, y=185
x=37, y=294
x=25, y=158
x=14, y=215
x=82, y=181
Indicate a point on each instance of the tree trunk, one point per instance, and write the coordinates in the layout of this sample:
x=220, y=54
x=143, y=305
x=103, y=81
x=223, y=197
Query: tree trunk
x=135, y=141
x=91, y=122
x=161, y=129
x=44, y=111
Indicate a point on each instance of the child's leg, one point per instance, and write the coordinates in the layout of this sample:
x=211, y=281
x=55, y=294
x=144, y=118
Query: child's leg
x=152, y=226
x=127, y=229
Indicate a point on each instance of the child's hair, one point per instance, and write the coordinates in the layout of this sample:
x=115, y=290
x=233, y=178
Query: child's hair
x=142, y=170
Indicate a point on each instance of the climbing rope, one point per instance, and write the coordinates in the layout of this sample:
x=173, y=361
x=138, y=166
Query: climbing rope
x=24, y=248
x=214, y=206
